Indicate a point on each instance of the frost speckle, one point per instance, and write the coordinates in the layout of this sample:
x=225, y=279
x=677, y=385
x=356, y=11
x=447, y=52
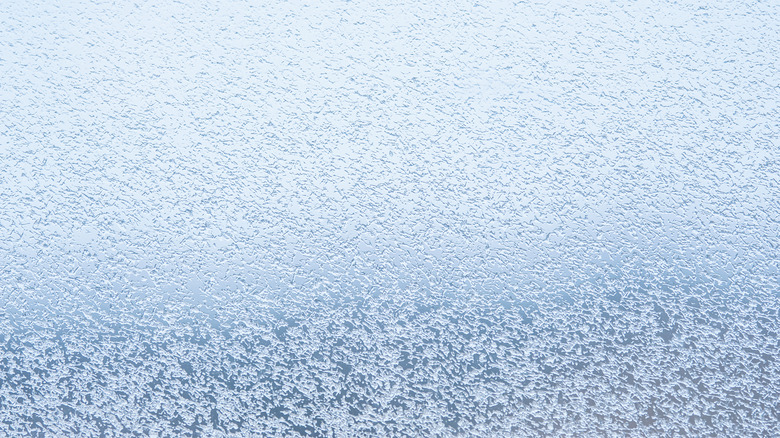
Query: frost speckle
x=356, y=218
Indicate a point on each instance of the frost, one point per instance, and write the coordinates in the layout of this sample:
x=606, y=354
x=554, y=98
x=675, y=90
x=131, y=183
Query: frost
x=362, y=218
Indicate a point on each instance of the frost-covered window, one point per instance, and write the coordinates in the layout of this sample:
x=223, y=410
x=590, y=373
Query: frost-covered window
x=372, y=218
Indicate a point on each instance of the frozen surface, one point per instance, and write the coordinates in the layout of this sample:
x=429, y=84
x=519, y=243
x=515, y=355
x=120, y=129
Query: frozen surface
x=393, y=219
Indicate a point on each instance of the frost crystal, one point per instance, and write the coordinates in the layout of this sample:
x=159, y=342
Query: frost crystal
x=389, y=219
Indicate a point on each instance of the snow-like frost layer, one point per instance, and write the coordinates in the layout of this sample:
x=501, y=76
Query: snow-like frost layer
x=421, y=218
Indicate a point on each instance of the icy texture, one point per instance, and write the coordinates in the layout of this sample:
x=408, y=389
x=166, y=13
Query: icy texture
x=410, y=219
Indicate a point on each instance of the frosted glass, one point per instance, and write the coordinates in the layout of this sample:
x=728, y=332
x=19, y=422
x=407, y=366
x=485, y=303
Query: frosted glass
x=357, y=218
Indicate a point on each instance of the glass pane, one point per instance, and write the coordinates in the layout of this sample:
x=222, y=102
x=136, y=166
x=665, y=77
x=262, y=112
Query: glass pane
x=362, y=218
